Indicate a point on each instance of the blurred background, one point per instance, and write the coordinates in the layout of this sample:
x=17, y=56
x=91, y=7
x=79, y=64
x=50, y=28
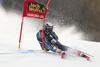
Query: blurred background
x=84, y=14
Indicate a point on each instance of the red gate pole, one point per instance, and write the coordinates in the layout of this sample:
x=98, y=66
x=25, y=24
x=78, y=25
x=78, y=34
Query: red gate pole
x=20, y=33
x=43, y=35
x=48, y=3
x=43, y=28
x=21, y=27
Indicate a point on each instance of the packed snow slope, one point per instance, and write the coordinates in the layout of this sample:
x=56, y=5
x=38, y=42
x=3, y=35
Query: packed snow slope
x=9, y=38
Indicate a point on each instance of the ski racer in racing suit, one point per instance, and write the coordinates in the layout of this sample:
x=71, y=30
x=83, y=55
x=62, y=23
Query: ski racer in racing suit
x=50, y=40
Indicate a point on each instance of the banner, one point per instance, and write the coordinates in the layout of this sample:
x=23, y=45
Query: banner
x=33, y=9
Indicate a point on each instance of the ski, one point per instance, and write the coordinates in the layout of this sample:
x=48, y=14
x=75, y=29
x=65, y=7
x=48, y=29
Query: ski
x=79, y=53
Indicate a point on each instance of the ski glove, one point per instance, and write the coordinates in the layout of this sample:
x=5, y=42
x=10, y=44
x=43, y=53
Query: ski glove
x=53, y=41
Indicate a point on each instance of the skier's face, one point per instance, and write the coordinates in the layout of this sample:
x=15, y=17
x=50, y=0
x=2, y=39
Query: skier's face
x=47, y=32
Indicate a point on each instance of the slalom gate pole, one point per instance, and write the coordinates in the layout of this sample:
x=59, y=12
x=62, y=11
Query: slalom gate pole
x=43, y=35
x=20, y=33
x=48, y=3
x=21, y=27
x=43, y=28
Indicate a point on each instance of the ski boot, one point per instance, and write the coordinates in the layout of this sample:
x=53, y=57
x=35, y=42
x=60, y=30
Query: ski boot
x=62, y=53
x=83, y=55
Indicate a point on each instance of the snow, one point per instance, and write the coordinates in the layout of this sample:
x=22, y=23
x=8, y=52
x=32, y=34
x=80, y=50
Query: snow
x=9, y=39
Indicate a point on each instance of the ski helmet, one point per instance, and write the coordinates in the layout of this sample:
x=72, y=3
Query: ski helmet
x=48, y=26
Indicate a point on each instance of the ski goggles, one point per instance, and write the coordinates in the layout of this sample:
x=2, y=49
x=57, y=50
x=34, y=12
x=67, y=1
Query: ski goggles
x=47, y=30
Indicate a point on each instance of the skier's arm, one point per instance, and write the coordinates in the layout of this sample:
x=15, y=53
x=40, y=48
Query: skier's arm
x=53, y=34
x=39, y=36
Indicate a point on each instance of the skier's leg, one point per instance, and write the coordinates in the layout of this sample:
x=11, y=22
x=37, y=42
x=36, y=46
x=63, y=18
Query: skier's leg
x=62, y=53
x=42, y=46
x=62, y=47
x=79, y=53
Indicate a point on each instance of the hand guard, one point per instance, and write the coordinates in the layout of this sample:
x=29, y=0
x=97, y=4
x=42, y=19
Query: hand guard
x=53, y=41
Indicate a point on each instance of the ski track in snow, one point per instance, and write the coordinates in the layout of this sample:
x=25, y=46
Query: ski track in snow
x=9, y=36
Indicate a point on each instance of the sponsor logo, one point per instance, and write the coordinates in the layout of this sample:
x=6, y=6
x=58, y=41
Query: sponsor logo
x=35, y=7
x=35, y=15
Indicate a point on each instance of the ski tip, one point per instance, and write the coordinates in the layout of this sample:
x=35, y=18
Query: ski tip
x=62, y=56
x=88, y=58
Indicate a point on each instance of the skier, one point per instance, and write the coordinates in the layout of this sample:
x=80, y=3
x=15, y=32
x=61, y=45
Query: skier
x=51, y=40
